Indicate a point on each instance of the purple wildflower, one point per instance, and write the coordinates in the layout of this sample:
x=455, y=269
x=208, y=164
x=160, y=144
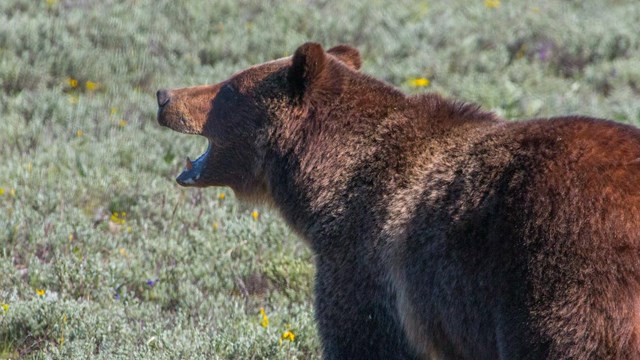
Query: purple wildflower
x=545, y=50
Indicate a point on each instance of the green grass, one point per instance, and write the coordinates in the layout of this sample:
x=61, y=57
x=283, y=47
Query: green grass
x=163, y=281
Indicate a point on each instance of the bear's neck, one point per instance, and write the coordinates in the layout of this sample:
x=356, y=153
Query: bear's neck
x=318, y=176
x=323, y=195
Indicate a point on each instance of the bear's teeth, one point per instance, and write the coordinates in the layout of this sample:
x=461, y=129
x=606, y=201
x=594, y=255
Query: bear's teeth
x=189, y=164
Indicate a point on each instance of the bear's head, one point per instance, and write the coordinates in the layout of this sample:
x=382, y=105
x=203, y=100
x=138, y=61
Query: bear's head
x=238, y=115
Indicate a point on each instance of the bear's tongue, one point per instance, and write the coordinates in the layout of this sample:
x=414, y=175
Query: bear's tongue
x=193, y=169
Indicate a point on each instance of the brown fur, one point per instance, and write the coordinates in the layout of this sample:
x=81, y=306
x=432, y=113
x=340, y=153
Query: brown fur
x=440, y=230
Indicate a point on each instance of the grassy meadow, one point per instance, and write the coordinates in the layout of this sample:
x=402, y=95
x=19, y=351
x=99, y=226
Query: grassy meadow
x=104, y=256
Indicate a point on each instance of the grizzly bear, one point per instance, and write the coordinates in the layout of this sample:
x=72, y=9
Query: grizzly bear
x=439, y=230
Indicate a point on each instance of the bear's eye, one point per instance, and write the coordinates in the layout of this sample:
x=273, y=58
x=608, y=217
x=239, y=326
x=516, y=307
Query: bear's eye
x=227, y=95
x=228, y=89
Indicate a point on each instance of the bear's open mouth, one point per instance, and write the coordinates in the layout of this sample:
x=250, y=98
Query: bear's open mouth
x=193, y=169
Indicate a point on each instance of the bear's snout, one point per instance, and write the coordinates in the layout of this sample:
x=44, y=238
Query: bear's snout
x=163, y=97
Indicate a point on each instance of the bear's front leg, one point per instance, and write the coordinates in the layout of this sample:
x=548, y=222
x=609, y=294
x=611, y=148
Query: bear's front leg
x=356, y=312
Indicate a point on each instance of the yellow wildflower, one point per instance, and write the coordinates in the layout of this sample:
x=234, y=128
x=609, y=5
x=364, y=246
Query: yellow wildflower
x=264, y=320
x=122, y=123
x=12, y=192
x=72, y=82
x=41, y=292
x=114, y=111
x=91, y=85
x=419, y=82
x=492, y=4
x=1, y=191
x=118, y=218
x=79, y=133
x=288, y=335
x=215, y=226
x=255, y=214
x=122, y=251
x=5, y=307
x=221, y=196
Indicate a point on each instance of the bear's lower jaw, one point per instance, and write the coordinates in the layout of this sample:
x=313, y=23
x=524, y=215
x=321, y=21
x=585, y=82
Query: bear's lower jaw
x=192, y=173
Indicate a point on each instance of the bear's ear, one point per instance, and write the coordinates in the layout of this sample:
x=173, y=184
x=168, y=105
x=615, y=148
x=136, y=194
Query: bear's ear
x=348, y=55
x=307, y=65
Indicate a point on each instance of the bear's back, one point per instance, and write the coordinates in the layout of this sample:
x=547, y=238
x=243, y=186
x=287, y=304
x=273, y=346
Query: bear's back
x=533, y=223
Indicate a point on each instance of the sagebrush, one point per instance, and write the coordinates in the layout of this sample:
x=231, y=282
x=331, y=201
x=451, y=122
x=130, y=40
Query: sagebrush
x=103, y=255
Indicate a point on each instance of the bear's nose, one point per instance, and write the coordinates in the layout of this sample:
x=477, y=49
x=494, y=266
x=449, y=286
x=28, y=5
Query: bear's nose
x=163, y=97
